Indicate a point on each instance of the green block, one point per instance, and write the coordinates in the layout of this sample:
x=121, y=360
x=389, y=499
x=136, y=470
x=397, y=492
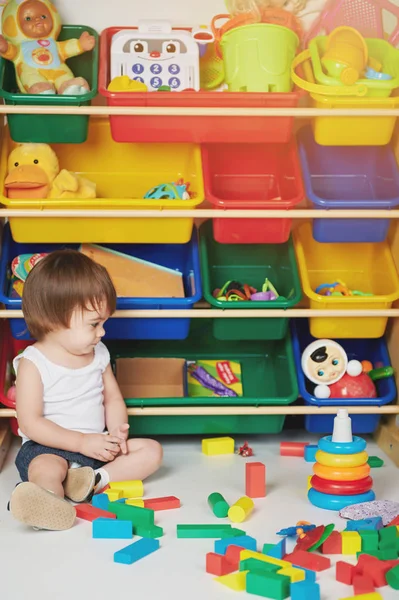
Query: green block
x=233, y=533
x=253, y=564
x=388, y=538
x=370, y=540
x=135, y=514
x=387, y=554
x=375, y=462
x=393, y=577
x=268, y=585
x=148, y=531
x=267, y=548
x=203, y=531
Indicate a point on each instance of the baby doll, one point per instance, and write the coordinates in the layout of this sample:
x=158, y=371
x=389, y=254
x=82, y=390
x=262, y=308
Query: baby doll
x=30, y=30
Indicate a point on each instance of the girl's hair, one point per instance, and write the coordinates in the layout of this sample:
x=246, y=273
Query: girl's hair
x=64, y=281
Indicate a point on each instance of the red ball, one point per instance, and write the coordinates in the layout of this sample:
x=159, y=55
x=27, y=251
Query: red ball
x=354, y=387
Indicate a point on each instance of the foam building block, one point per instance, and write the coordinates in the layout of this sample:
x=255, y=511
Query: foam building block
x=100, y=501
x=310, y=576
x=362, y=524
x=136, y=551
x=373, y=596
x=113, y=495
x=148, y=531
x=268, y=585
x=166, y=503
x=370, y=540
x=351, y=542
x=202, y=531
x=217, y=446
x=255, y=480
x=241, y=509
x=314, y=562
x=245, y=542
x=216, y=564
x=293, y=573
x=234, y=581
x=112, y=529
x=252, y=564
x=293, y=448
x=262, y=557
x=375, y=568
x=129, y=489
x=233, y=532
x=278, y=550
x=388, y=538
x=305, y=590
x=393, y=578
x=233, y=556
x=363, y=584
x=90, y=513
x=333, y=544
x=310, y=453
x=345, y=572
x=138, y=516
x=135, y=502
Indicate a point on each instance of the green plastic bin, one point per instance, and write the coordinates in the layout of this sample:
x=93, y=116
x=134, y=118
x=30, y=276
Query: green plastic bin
x=52, y=129
x=249, y=263
x=268, y=376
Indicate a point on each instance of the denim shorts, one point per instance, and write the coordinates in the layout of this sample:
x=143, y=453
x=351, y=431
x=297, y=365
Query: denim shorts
x=31, y=450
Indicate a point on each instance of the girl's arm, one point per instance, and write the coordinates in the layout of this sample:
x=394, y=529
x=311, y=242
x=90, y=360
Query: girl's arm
x=30, y=413
x=116, y=419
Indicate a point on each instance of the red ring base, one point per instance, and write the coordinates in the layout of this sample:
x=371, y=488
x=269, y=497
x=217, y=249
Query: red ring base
x=341, y=488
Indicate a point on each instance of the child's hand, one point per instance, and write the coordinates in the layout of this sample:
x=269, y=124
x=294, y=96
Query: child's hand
x=100, y=446
x=87, y=41
x=122, y=432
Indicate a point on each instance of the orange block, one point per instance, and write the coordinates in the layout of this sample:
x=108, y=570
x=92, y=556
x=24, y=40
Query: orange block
x=217, y=564
x=333, y=544
x=90, y=513
x=255, y=480
x=166, y=503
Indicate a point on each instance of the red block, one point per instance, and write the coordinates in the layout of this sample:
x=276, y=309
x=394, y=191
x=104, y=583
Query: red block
x=395, y=522
x=345, y=572
x=233, y=554
x=293, y=448
x=255, y=480
x=375, y=568
x=166, y=503
x=333, y=544
x=307, y=560
x=363, y=584
x=89, y=512
x=217, y=564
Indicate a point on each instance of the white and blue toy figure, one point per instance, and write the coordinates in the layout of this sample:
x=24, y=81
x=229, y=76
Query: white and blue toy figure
x=157, y=55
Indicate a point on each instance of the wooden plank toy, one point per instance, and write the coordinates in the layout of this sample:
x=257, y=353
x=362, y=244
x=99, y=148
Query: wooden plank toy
x=112, y=529
x=255, y=480
x=90, y=513
x=136, y=551
x=218, y=446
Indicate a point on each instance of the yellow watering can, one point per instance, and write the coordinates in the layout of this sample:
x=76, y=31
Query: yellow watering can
x=346, y=56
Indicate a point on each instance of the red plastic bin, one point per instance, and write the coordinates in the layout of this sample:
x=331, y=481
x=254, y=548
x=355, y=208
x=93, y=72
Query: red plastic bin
x=261, y=176
x=198, y=129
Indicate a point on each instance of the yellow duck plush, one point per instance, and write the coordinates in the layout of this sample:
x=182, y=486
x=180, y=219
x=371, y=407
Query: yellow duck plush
x=34, y=172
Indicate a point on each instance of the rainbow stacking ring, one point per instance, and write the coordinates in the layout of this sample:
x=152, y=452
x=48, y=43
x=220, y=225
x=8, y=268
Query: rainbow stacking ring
x=344, y=474
x=327, y=445
x=342, y=460
x=342, y=488
x=331, y=502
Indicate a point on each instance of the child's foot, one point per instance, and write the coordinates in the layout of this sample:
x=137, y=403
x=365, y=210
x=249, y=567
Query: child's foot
x=40, y=508
x=79, y=484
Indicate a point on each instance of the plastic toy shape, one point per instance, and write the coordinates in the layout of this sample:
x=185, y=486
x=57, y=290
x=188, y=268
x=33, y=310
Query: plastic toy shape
x=156, y=55
x=30, y=30
x=346, y=55
x=324, y=363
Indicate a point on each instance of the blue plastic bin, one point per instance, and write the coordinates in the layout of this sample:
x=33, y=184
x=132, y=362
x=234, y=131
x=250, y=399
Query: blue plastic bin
x=181, y=257
x=374, y=350
x=344, y=177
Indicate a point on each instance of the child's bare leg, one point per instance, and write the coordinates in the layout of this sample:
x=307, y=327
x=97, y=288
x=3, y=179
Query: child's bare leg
x=49, y=471
x=144, y=457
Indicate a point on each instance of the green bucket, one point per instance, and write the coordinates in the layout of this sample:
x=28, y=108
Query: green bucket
x=258, y=58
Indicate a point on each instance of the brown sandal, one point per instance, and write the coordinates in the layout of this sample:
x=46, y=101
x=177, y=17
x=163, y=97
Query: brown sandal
x=79, y=484
x=33, y=505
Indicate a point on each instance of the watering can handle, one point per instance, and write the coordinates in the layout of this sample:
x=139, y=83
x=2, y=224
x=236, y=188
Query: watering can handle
x=325, y=90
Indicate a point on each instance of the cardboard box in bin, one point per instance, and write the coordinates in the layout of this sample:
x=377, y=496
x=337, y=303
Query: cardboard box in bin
x=151, y=377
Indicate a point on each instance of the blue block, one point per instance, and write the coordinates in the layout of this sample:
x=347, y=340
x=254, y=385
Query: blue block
x=310, y=453
x=310, y=575
x=304, y=590
x=112, y=529
x=245, y=541
x=121, y=501
x=100, y=501
x=372, y=523
x=136, y=551
x=278, y=550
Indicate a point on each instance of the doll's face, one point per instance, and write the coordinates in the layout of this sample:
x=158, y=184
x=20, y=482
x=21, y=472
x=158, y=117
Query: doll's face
x=35, y=19
x=326, y=365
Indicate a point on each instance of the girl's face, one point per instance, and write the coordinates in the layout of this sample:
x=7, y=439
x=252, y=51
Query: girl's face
x=327, y=365
x=85, y=331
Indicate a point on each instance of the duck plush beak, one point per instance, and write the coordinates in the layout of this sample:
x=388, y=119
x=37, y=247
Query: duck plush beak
x=27, y=181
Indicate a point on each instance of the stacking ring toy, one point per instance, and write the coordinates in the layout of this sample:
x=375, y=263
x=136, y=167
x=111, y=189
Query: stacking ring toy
x=339, y=488
x=327, y=445
x=341, y=460
x=335, y=474
x=329, y=502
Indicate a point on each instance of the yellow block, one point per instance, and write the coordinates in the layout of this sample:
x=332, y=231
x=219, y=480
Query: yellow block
x=129, y=489
x=269, y=559
x=309, y=480
x=397, y=529
x=351, y=542
x=294, y=574
x=241, y=509
x=215, y=446
x=113, y=495
x=372, y=596
x=234, y=581
x=135, y=502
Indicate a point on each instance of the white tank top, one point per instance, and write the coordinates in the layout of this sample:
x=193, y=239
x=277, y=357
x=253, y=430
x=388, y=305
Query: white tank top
x=72, y=398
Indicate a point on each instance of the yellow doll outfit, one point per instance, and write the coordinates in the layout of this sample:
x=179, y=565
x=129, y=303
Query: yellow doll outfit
x=39, y=60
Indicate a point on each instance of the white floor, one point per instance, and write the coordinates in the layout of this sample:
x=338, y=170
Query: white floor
x=71, y=565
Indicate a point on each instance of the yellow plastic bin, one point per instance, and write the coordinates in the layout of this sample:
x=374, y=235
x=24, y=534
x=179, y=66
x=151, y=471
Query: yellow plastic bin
x=124, y=173
x=367, y=267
